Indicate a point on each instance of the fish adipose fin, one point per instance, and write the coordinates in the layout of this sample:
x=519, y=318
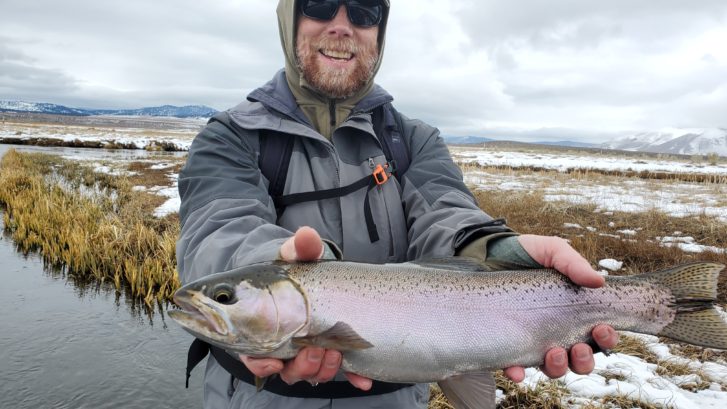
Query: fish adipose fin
x=340, y=337
x=695, y=288
x=471, y=391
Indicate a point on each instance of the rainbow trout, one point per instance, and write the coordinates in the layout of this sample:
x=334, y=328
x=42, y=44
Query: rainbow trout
x=443, y=320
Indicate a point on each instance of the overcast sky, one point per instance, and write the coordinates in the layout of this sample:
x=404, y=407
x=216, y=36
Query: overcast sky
x=527, y=69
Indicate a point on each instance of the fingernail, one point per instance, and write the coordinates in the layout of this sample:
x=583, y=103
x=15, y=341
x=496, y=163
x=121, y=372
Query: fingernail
x=315, y=355
x=603, y=335
x=331, y=362
x=559, y=358
x=581, y=354
x=366, y=384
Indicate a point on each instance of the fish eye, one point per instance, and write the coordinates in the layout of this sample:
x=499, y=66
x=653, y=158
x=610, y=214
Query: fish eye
x=224, y=294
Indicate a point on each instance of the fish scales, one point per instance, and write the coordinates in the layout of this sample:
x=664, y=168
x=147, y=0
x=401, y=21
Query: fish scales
x=469, y=321
x=429, y=321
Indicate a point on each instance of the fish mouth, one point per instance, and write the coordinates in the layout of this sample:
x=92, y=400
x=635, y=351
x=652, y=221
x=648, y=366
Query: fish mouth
x=199, y=312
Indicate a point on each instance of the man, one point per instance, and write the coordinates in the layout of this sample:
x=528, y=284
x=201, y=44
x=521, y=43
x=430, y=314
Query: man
x=326, y=103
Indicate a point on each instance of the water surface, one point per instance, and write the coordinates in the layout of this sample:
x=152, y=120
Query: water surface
x=66, y=344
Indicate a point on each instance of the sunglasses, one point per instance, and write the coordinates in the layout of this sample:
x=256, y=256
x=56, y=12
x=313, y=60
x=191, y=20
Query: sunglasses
x=363, y=13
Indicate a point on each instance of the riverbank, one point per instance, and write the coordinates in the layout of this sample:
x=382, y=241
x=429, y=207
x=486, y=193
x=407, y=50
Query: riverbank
x=91, y=224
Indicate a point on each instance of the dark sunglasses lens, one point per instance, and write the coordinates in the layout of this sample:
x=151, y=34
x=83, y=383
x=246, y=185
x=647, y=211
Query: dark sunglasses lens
x=319, y=9
x=364, y=13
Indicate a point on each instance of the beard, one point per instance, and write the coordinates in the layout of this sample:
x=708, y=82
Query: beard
x=336, y=82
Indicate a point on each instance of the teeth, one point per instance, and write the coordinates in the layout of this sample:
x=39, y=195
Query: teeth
x=340, y=55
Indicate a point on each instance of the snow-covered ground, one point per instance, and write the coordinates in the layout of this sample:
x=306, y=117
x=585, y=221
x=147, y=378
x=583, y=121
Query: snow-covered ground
x=630, y=195
x=139, y=137
x=563, y=161
x=641, y=381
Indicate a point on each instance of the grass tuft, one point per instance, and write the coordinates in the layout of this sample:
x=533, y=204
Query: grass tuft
x=89, y=224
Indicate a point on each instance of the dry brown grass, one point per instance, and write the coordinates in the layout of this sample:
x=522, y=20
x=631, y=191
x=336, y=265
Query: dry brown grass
x=531, y=213
x=93, y=225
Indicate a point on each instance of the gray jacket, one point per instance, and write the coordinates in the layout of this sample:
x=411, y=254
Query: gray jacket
x=229, y=220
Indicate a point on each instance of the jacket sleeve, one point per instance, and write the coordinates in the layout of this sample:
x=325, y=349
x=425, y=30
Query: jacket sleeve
x=442, y=215
x=226, y=214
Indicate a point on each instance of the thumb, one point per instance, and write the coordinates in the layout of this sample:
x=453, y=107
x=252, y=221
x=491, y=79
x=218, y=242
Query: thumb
x=305, y=245
x=554, y=252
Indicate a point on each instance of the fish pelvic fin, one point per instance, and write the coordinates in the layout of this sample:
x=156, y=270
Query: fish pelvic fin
x=471, y=391
x=694, y=287
x=340, y=337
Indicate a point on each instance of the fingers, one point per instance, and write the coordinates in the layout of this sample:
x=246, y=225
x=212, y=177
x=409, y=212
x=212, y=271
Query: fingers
x=554, y=252
x=262, y=367
x=556, y=363
x=312, y=364
x=515, y=373
x=359, y=381
x=605, y=336
x=305, y=245
x=581, y=359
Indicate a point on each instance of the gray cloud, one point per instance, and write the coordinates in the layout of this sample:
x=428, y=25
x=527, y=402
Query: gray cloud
x=529, y=68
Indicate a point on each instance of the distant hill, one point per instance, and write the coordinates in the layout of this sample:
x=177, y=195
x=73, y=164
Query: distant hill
x=465, y=140
x=189, y=111
x=700, y=141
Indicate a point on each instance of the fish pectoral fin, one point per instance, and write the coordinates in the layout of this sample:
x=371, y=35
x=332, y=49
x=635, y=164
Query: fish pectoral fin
x=340, y=337
x=471, y=391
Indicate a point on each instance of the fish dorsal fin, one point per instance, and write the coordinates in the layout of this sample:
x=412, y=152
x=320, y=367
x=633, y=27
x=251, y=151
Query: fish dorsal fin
x=457, y=264
x=471, y=391
x=340, y=337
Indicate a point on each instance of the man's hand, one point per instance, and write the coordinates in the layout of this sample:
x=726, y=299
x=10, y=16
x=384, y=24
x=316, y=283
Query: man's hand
x=554, y=252
x=312, y=364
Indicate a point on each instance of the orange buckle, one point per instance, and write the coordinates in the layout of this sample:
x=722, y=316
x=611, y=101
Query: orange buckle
x=380, y=175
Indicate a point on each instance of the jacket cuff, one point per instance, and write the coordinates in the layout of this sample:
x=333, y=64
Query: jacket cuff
x=501, y=248
x=478, y=249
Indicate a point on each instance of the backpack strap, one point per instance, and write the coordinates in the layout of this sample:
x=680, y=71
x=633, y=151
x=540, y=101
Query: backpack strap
x=276, y=148
x=388, y=126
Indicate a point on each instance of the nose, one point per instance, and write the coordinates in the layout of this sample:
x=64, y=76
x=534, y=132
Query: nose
x=340, y=25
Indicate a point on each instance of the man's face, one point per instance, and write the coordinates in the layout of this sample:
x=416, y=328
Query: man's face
x=335, y=56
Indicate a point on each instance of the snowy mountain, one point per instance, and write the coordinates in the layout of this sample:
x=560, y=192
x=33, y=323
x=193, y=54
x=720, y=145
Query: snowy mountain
x=189, y=111
x=677, y=141
x=465, y=140
x=39, y=107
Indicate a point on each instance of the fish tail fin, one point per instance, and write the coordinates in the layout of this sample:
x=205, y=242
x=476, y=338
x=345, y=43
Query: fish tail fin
x=694, y=287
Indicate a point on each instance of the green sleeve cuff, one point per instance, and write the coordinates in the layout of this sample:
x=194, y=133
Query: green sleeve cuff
x=501, y=248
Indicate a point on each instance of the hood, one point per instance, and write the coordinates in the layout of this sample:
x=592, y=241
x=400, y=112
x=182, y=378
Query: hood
x=312, y=102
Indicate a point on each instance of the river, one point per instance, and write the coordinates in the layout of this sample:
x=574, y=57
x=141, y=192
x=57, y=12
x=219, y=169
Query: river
x=66, y=344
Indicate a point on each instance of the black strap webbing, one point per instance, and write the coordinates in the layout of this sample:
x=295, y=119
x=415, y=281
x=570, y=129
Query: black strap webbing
x=276, y=149
x=366, y=181
x=388, y=127
x=328, y=390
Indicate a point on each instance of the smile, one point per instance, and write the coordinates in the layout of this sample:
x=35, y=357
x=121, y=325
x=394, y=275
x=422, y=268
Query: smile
x=337, y=55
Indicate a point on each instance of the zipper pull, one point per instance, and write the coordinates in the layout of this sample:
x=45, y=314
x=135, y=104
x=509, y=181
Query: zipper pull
x=372, y=165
